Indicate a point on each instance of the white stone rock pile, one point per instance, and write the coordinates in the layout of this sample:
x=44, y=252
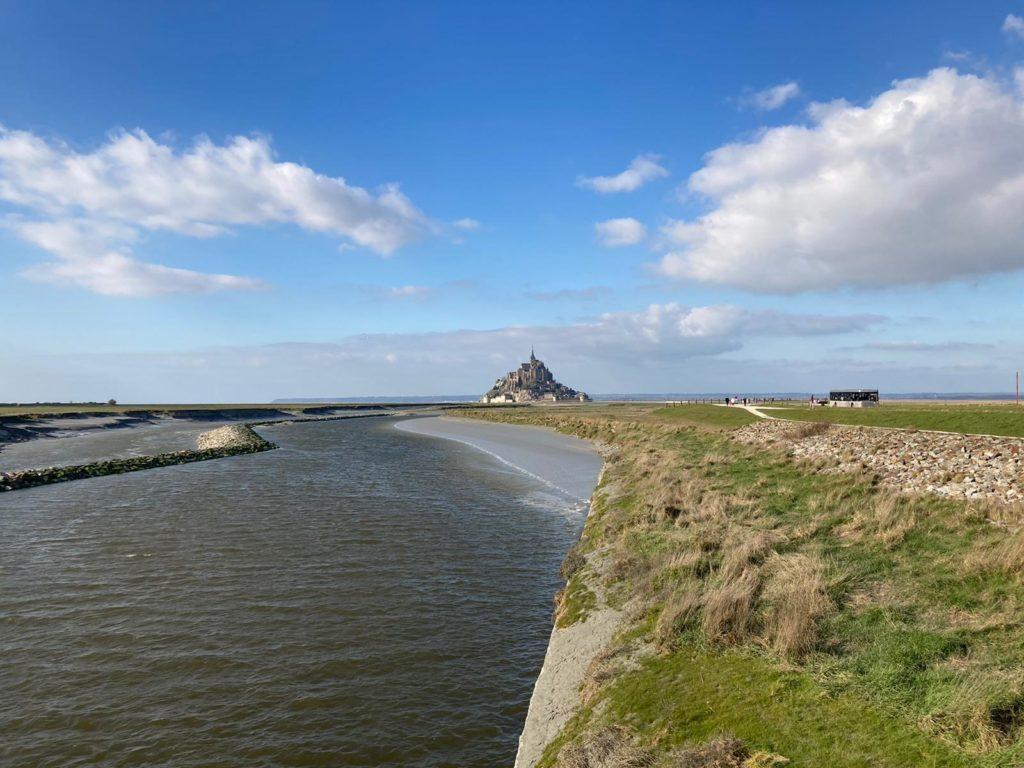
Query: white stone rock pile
x=962, y=466
x=231, y=436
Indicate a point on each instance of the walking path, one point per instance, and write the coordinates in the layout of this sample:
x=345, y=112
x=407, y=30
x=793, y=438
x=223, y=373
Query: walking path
x=756, y=410
x=753, y=409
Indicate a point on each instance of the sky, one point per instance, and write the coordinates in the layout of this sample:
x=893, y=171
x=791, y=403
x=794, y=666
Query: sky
x=236, y=202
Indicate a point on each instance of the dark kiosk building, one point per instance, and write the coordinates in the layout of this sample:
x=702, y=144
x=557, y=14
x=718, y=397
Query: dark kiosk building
x=853, y=398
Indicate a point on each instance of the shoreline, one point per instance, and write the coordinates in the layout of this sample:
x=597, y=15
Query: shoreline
x=565, y=464
x=571, y=652
x=572, y=645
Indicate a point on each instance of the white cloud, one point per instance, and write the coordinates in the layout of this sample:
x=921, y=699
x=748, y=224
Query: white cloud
x=570, y=294
x=1014, y=25
x=466, y=224
x=923, y=184
x=409, y=291
x=113, y=274
x=89, y=208
x=942, y=347
x=770, y=98
x=617, y=351
x=643, y=169
x=617, y=232
x=88, y=258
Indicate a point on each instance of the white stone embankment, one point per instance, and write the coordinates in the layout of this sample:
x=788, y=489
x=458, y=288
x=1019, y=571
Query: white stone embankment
x=231, y=436
x=945, y=464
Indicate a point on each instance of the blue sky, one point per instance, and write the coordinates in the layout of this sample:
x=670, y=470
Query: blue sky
x=490, y=119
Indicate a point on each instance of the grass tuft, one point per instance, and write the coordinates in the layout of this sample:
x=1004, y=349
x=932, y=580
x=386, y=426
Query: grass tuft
x=797, y=599
x=809, y=430
x=610, y=747
x=729, y=608
x=723, y=752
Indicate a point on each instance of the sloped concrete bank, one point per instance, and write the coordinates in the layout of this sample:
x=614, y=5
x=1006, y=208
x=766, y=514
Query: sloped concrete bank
x=572, y=650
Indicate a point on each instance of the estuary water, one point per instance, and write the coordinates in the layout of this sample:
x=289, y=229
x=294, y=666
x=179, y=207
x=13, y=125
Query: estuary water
x=364, y=596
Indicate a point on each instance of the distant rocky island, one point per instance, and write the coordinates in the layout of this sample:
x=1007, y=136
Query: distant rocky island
x=531, y=382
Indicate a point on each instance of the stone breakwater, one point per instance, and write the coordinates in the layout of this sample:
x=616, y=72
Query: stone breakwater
x=231, y=436
x=232, y=440
x=953, y=465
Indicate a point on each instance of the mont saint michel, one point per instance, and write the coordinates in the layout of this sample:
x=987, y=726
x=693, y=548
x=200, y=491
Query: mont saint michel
x=531, y=382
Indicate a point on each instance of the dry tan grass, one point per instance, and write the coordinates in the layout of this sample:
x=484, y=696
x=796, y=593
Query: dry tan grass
x=889, y=519
x=681, y=612
x=986, y=711
x=610, y=747
x=573, y=562
x=604, y=667
x=672, y=499
x=797, y=599
x=729, y=608
x=712, y=459
x=1005, y=557
x=744, y=546
x=811, y=429
x=723, y=752
x=894, y=519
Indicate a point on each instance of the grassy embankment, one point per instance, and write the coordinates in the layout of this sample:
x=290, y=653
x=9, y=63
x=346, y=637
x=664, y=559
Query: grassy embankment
x=774, y=611
x=1007, y=420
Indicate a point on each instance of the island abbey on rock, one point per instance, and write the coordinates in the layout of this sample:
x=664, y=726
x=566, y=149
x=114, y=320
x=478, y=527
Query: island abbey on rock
x=531, y=382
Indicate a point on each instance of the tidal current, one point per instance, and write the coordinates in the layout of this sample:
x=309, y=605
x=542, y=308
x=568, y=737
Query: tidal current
x=364, y=596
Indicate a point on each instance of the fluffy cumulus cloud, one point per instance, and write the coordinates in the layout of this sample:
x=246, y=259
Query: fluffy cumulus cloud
x=1014, y=25
x=923, y=184
x=619, y=351
x=643, y=169
x=90, y=209
x=770, y=98
x=618, y=232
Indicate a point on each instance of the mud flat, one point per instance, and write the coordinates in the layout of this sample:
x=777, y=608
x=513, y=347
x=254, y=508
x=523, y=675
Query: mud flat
x=568, y=466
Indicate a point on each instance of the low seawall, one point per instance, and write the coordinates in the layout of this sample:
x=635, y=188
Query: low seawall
x=232, y=440
x=228, y=440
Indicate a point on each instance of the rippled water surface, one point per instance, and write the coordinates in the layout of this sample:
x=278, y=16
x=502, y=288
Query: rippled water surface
x=82, y=447
x=361, y=597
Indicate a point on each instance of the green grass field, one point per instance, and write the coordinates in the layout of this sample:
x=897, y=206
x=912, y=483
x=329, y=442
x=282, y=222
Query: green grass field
x=969, y=418
x=715, y=416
